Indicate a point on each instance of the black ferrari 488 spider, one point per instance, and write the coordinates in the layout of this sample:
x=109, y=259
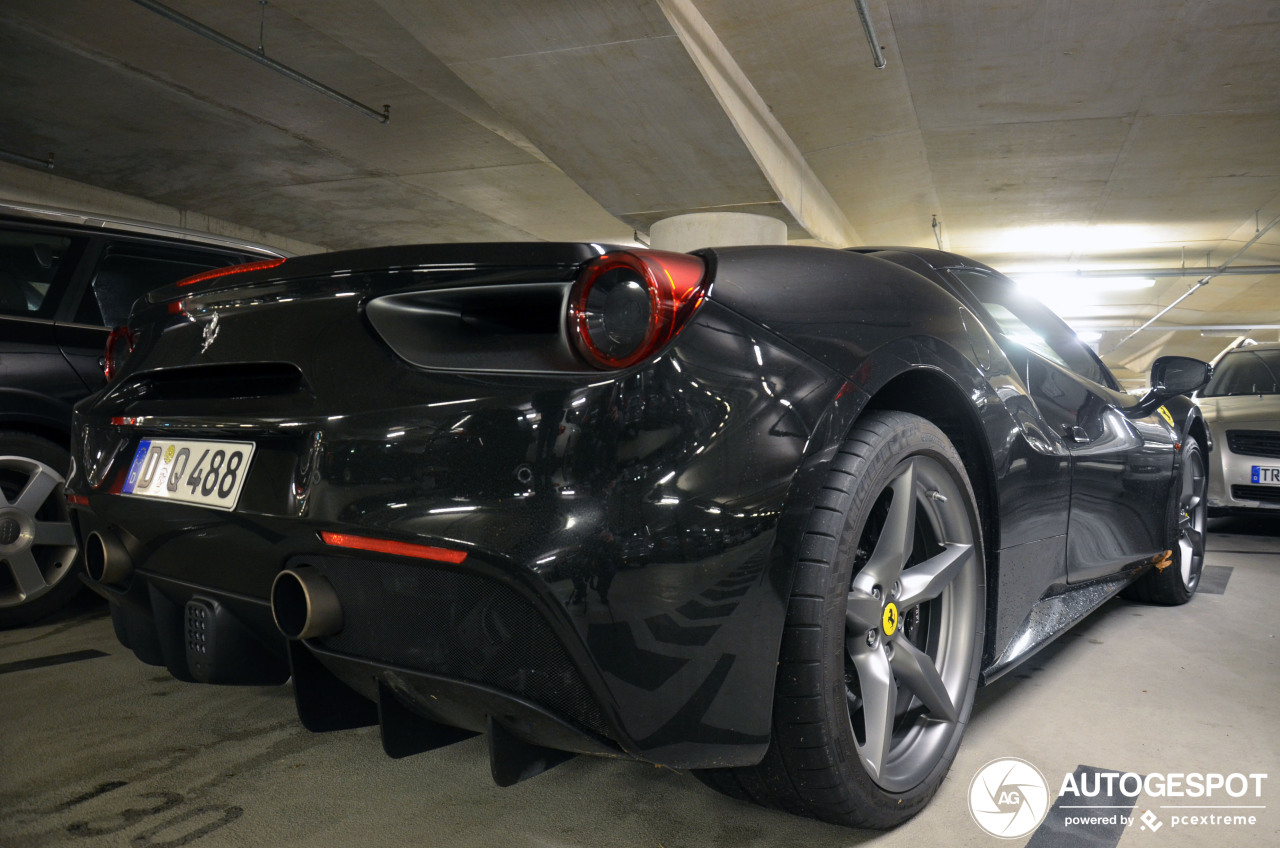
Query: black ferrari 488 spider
x=768, y=514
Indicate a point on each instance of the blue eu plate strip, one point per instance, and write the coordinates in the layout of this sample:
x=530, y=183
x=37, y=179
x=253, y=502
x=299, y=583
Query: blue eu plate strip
x=1255, y=479
x=137, y=466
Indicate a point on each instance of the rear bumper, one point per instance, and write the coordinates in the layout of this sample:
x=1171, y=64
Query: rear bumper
x=623, y=589
x=458, y=645
x=454, y=646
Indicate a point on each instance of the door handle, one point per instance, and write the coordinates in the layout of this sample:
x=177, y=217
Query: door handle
x=1076, y=434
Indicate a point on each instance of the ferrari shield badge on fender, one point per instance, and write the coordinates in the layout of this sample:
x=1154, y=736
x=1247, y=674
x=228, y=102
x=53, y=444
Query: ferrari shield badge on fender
x=1164, y=413
x=210, y=333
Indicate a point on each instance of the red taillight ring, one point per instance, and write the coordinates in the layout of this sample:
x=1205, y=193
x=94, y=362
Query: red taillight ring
x=675, y=284
x=578, y=309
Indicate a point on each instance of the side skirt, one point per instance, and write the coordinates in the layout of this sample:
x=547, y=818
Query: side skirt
x=1061, y=608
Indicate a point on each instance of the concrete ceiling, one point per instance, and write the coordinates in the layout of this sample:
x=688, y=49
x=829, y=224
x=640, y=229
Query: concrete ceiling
x=1043, y=135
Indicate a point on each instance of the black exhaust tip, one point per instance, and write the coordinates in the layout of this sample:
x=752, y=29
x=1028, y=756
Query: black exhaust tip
x=304, y=604
x=105, y=558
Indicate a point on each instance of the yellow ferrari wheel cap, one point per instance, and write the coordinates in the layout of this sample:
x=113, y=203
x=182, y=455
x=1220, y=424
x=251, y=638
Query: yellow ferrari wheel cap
x=890, y=620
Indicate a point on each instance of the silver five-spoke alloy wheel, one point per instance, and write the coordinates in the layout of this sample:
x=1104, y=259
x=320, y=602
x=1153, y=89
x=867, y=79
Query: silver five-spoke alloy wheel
x=910, y=624
x=1193, y=510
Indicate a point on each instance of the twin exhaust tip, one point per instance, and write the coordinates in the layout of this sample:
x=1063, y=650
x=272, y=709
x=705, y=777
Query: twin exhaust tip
x=304, y=604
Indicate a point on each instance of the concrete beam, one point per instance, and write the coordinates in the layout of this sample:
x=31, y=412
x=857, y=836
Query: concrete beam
x=781, y=161
x=778, y=158
x=41, y=188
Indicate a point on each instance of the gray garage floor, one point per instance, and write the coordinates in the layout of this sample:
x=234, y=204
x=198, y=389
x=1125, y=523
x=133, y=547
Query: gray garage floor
x=102, y=750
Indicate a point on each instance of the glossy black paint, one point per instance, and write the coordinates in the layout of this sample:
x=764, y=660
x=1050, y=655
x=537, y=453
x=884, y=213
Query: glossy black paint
x=648, y=518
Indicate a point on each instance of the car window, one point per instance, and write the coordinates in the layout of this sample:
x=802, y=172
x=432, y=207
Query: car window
x=128, y=272
x=34, y=268
x=1025, y=321
x=1245, y=372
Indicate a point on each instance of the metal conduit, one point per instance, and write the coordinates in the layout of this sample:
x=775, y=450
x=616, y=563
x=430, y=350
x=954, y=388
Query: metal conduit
x=1238, y=270
x=876, y=55
x=248, y=52
x=28, y=161
x=1200, y=328
x=1201, y=283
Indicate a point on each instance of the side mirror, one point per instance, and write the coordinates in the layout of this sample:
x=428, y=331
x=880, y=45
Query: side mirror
x=1171, y=376
x=1179, y=375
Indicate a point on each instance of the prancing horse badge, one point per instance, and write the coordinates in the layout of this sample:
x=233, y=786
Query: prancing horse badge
x=210, y=333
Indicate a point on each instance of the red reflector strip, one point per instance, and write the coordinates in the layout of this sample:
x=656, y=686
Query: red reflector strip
x=260, y=265
x=77, y=500
x=386, y=546
x=123, y=422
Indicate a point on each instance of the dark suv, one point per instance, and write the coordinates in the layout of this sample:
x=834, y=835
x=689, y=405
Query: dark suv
x=65, y=280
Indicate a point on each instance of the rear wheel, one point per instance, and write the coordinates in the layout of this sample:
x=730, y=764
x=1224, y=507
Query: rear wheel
x=1175, y=582
x=883, y=640
x=38, y=553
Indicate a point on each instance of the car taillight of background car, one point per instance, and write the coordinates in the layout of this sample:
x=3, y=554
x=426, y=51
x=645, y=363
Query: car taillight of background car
x=119, y=346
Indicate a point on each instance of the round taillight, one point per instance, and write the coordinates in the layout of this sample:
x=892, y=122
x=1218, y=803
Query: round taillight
x=119, y=346
x=624, y=306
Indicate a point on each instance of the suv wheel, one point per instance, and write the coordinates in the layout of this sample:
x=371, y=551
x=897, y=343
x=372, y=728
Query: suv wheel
x=38, y=554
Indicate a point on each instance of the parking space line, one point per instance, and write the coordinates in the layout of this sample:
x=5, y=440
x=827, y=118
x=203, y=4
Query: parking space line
x=53, y=659
x=1111, y=807
x=1213, y=579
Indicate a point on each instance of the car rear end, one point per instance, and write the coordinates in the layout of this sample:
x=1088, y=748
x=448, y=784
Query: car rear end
x=532, y=490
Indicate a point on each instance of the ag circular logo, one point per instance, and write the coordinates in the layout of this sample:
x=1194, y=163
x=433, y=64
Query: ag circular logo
x=1008, y=798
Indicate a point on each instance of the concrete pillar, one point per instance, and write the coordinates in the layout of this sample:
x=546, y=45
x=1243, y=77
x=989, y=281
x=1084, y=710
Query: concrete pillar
x=682, y=233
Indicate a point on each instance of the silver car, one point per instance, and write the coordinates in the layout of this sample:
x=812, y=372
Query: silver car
x=1242, y=407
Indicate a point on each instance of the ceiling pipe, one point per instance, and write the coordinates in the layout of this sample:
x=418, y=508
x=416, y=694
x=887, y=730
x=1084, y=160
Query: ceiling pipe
x=1238, y=270
x=248, y=52
x=28, y=161
x=1201, y=328
x=876, y=55
x=1204, y=281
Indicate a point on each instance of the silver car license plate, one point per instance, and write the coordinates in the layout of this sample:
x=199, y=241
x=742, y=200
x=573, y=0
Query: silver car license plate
x=203, y=472
x=1266, y=475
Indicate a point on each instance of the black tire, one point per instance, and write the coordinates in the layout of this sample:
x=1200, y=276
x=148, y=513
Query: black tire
x=1174, y=584
x=39, y=559
x=843, y=660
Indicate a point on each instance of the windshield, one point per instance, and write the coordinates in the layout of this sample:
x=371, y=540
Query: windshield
x=1245, y=372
